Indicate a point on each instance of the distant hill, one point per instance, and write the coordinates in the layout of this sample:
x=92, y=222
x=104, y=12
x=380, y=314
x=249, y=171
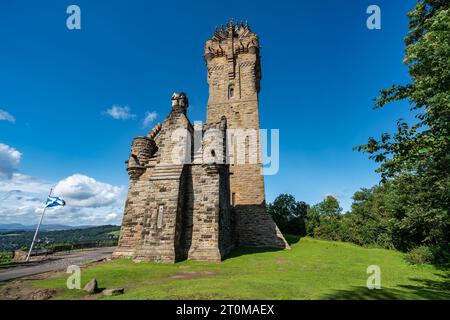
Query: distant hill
x=18, y=239
x=45, y=227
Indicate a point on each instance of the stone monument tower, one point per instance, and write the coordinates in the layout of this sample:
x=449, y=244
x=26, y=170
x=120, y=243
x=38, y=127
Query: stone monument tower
x=211, y=199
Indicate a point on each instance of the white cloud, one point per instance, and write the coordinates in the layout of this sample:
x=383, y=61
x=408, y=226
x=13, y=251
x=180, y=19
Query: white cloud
x=9, y=161
x=149, y=118
x=83, y=191
x=120, y=113
x=22, y=183
x=74, y=216
x=111, y=216
x=89, y=202
x=5, y=116
x=22, y=197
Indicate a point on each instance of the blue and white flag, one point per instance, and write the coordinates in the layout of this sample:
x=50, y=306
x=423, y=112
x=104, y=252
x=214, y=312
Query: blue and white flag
x=55, y=202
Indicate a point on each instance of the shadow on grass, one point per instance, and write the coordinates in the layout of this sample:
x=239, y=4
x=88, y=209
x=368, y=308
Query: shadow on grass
x=423, y=289
x=291, y=239
x=241, y=251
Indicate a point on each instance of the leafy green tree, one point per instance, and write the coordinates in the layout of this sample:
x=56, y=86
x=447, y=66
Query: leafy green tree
x=289, y=214
x=369, y=221
x=416, y=158
x=312, y=220
x=323, y=219
x=329, y=207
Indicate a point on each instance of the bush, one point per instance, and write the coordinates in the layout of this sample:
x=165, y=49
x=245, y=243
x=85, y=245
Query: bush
x=5, y=257
x=58, y=247
x=419, y=255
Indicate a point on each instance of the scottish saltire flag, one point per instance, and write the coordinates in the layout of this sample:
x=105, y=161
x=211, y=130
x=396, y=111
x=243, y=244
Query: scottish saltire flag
x=55, y=202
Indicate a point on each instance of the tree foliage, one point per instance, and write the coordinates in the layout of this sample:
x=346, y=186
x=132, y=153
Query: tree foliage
x=415, y=160
x=289, y=214
x=323, y=219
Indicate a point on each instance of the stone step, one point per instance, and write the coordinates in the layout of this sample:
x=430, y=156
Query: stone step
x=164, y=178
x=167, y=172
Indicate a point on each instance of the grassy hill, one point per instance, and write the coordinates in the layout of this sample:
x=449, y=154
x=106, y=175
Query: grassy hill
x=312, y=269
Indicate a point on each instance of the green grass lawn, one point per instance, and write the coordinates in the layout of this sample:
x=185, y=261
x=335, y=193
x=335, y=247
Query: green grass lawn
x=312, y=269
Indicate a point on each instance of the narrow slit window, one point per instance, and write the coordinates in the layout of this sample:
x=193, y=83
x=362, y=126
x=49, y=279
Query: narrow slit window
x=231, y=92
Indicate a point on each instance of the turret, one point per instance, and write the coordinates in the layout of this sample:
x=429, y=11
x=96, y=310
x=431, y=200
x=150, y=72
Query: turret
x=143, y=148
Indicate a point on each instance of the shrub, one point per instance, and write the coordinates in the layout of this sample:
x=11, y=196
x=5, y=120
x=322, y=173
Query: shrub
x=419, y=255
x=5, y=257
x=61, y=247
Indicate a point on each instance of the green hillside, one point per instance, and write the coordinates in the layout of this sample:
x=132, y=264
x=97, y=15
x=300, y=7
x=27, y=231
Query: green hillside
x=312, y=269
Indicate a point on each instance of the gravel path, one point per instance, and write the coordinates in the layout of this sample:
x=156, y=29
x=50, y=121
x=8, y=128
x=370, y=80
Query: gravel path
x=57, y=262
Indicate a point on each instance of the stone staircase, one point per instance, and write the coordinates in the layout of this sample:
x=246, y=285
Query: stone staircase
x=167, y=172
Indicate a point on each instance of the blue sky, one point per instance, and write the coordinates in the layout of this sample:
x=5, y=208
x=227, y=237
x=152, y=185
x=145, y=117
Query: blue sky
x=321, y=69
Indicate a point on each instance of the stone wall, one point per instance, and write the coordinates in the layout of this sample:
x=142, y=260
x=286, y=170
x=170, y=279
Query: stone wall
x=206, y=205
x=161, y=231
x=131, y=229
x=140, y=170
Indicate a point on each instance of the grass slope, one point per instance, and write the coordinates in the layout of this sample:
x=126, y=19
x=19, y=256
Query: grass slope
x=312, y=269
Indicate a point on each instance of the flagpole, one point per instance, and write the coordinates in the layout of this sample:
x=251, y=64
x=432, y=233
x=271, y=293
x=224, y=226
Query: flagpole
x=38, y=226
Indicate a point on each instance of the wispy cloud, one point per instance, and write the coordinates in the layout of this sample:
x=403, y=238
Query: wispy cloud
x=120, y=112
x=6, y=116
x=149, y=118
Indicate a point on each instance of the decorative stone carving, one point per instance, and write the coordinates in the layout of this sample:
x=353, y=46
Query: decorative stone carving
x=154, y=132
x=180, y=100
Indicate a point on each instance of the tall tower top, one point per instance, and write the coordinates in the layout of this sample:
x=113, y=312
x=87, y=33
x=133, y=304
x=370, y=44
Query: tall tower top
x=233, y=39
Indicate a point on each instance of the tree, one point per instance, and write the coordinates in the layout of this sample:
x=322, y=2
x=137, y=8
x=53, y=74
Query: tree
x=312, y=221
x=289, y=214
x=369, y=221
x=416, y=158
x=323, y=219
x=329, y=207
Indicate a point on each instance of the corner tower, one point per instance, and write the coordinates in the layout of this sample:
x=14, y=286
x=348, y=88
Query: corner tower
x=234, y=74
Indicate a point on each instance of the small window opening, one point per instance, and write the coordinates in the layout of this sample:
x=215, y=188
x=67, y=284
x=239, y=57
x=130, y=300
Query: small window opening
x=231, y=92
